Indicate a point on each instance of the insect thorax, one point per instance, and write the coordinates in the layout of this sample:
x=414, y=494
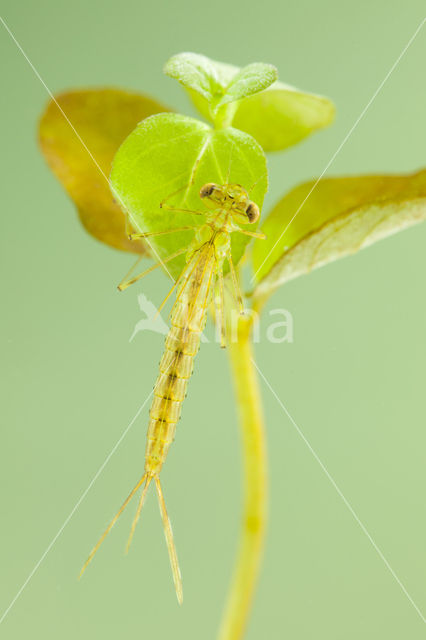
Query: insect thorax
x=215, y=233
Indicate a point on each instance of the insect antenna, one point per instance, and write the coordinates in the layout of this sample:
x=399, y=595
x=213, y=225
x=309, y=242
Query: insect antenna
x=264, y=175
x=186, y=187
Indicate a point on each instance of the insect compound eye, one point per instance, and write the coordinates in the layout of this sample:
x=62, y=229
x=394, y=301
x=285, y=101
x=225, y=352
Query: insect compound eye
x=207, y=190
x=253, y=212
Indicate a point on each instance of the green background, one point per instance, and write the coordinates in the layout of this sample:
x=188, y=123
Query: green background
x=354, y=378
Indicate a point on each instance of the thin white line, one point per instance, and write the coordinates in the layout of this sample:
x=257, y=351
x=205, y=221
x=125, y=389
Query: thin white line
x=346, y=138
x=76, y=506
x=77, y=134
x=348, y=505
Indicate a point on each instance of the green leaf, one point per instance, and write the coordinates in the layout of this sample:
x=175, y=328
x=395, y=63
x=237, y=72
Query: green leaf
x=250, y=80
x=282, y=116
x=103, y=118
x=199, y=73
x=217, y=83
x=275, y=114
x=335, y=218
x=170, y=156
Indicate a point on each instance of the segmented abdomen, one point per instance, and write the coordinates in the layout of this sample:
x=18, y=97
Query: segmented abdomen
x=188, y=319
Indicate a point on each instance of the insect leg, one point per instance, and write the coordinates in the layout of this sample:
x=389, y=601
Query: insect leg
x=185, y=279
x=220, y=310
x=207, y=267
x=132, y=235
x=112, y=523
x=127, y=226
x=130, y=271
x=126, y=283
x=174, y=193
x=136, y=236
x=166, y=298
x=253, y=234
x=168, y=532
x=180, y=210
x=235, y=283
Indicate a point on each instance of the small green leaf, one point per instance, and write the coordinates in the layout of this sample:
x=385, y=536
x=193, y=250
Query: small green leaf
x=275, y=114
x=169, y=157
x=103, y=118
x=282, y=116
x=250, y=80
x=199, y=73
x=217, y=83
x=333, y=219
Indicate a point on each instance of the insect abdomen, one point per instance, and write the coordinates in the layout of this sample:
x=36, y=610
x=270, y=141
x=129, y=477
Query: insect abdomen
x=182, y=343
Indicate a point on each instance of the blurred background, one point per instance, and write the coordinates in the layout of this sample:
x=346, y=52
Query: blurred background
x=353, y=379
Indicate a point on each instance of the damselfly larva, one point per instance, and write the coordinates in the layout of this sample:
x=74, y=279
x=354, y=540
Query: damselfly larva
x=228, y=206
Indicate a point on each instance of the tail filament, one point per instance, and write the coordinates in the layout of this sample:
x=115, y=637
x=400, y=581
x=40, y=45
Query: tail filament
x=144, y=482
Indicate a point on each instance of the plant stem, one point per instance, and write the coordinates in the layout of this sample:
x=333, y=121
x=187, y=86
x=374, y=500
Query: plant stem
x=249, y=557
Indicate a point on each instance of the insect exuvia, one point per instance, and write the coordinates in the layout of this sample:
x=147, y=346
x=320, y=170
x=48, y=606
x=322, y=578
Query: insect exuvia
x=228, y=206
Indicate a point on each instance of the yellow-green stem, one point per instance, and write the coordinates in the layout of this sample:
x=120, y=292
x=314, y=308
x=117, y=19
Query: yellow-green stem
x=255, y=485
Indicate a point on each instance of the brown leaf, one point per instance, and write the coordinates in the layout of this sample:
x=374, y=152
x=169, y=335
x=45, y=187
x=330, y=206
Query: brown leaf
x=103, y=118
